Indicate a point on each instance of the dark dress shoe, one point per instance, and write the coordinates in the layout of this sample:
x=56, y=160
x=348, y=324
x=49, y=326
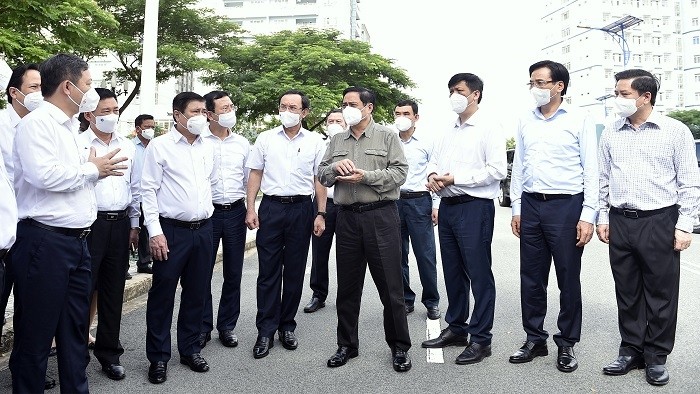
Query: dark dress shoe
x=145, y=269
x=128, y=276
x=114, y=371
x=566, y=359
x=657, y=374
x=158, y=372
x=473, y=354
x=433, y=313
x=446, y=338
x=401, y=361
x=262, y=347
x=203, y=339
x=409, y=309
x=228, y=338
x=341, y=356
x=623, y=364
x=314, y=305
x=49, y=382
x=196, y=362
x=288, y=339
x=529, y=351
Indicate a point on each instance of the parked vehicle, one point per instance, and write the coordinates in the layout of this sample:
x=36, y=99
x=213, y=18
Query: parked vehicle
x=504, y=193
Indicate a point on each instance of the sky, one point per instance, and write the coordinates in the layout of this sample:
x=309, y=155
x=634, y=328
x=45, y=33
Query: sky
x=435, y=39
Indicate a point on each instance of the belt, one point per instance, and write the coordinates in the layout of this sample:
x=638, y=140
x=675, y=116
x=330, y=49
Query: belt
x=329, y=200
x=229, y=206
x=112, y=215
x=409, y=195
x=547, y=197
x=3, y=253
x=638, y=213
x=359, y=208
x=459, y=199
x=288, y=199
x=81, y=233
x=190, y=225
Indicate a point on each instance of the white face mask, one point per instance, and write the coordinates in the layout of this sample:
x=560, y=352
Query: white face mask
x=196, y=124
x=148, y=134
x=403, y=123
x=289, y=119
x=32, y=100
x=227, y=120
x=107, y=123
x=626, y=107
x=89, y=101
x=459, y=102
x=352, y=115
x=334, y=129
x=541, y=96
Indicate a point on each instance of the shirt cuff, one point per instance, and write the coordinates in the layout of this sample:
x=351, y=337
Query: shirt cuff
x=588, y=215
x=516, y=208
x=134, y=222
x=603, y=217
x=685, y=223
x=90, y=171
x=154, y=229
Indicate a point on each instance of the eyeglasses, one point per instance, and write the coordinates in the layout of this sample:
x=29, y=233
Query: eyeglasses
x=539, y=83
x=229, y=108
x=290, y=108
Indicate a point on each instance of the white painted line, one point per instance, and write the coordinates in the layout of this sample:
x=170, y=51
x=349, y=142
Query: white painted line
x=432, y=330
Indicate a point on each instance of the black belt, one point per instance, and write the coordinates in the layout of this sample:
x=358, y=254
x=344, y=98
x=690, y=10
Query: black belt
x=638, y=213
x=329, y=200
x=409, y=195
x=112, y=215
x=3, y=253
x=547, y=197
x=288, y=199
x=190, y=225
x=81, y=233
x=358, y=208
x=459, y=199
x=229, y=206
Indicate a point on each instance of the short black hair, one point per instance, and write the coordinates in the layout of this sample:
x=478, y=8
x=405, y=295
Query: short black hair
x=366, y=96
x=334, y=111
x=17, y=78
x=59, y=68
x=473, y=82
x=212, y=96
x=642, y=81
x=104, y=94
x=557, y=72
x=305, y=103
x=139, y=119
x=406, y=103
x=181, y=101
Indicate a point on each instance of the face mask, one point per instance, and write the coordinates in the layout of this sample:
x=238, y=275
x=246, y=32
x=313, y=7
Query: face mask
x=227, y=120
x=459, y=102
x=32, y=100
x=626, y=106
x=197, y=124
x=541, y=96
x=148, y=134
x=352, y=115
x=403, y=123
x=107, y=123
x=334, y=129
x=289, y=119
x=89, y=101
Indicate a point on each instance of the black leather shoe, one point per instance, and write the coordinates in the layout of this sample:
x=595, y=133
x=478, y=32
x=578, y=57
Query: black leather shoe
x=262, y=347
x=114, y=371
x=314, y=305
x=433, y=313
x=203, y=339
x=566, y=359
x=446, y=338
x=128, y=275
x=196, y=362
x=409, y=308
x=657, y=374
x=341, y=356
x=158, y=372
x=529, y=351
x=49, y=382
x=288, y=339
x=401, y=361
x=623, y=364
x=473, y=354
x=144, y=269
x=228, y=338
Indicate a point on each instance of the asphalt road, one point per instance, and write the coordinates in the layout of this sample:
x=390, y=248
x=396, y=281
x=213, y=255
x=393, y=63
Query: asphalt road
x=304, y=370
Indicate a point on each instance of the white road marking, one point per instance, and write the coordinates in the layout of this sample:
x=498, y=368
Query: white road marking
x=432, y=330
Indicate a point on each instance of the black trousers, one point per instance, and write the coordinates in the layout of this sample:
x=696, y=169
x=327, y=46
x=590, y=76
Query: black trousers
x=320, y=253
x=144, y=247
x=108, y=244
x=371, y=238
x=646, y=271
x=8, y=281
x=548, y=232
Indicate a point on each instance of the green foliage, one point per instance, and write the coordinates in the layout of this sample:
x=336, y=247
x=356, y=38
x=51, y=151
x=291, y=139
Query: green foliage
x=690, y=118
x=510, y=143
x=319, y=63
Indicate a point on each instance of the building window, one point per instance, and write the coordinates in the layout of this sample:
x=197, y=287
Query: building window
x=693, y=3
x=306, y=21
x=306, y=1
x=565, y=32
x=233, y=4
x=696, y=59
x=696, y=40
x=565, y=15
x=697, y=77
x=637, y=58
x=694, y=22
x=565, y=49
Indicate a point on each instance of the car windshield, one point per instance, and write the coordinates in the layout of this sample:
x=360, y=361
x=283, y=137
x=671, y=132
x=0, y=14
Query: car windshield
x=697, y=150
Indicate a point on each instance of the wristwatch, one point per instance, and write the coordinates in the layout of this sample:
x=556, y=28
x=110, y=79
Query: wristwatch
x=321, y=213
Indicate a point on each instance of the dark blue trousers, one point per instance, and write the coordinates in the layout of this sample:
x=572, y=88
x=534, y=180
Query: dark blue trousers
x=189, y=262
x=417, y=229
x=229, y=230
x=548, y=232
x=52, y=299
x=320, y=252
x=282, y=241
x=466, y=233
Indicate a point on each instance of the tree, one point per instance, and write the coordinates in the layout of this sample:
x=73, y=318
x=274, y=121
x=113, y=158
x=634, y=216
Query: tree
x=690, y=118
x=510, y=143
x=317, y=62
x=187, y=38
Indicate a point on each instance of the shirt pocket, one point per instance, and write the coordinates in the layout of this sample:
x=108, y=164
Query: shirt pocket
x=376, y=159
x=340, y=154
x=305, y=164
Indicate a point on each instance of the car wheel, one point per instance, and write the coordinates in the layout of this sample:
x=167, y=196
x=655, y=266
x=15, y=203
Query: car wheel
x=502, y=199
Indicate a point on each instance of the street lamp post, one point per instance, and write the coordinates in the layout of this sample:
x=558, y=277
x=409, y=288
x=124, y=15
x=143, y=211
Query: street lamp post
x=617, y=31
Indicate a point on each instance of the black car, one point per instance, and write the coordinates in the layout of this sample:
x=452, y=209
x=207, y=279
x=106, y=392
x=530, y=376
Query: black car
x=504, y=193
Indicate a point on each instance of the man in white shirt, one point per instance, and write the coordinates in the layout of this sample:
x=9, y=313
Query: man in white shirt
x=54, y=181
x=145, y=131
x=283, y=165
x=113, y=232
x=176, y=184
x=231, y=151
x=8, y=220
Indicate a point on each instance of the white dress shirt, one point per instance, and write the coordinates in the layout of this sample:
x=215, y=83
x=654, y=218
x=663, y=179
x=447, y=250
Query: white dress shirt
x=54, y=181
x=418, y=151
x=8, y=211
x=9, y=119
x=177, y=180
x=649, y=168
x=557, y=155
x=474, y=152
x=289, y=165
x=230, y=156
x=139, y=154
x=115, y=193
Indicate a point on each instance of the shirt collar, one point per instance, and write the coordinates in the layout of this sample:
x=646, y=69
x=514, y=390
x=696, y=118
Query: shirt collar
x=176, y=136
x=301, y=134
x=472, y=121
x=654, y=118
x=91, y=136
x=564, y=107
x=14, y=117
x=58, y=115
x=368, y=132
